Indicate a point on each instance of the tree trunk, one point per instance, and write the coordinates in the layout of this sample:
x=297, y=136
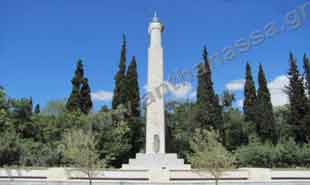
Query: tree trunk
x=90, y=180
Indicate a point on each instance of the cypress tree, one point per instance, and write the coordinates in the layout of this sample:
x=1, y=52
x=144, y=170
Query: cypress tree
x=209, y=110
x=119, y=95
x=249, y=96
x=265, y=123
x=307, y=74
x=133, y=88
x=73, y=103
x=85, y=96
x=37, y=109
x=298, y=103
x=134, y=107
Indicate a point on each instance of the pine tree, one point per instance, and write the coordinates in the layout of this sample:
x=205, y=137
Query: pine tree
x=134, y=107
x=249, y=96
x=265, y=123
x=119, y=96
x=73, y=103
x=86, y=103
x=298, y=103
x=307, y=74
x=37, y=109
x=209, y=111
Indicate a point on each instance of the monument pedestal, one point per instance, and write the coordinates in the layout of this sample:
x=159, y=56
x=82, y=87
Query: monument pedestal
x=158, y=166
x=156, y=162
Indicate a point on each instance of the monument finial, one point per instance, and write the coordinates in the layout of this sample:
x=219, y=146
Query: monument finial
x=155, y=18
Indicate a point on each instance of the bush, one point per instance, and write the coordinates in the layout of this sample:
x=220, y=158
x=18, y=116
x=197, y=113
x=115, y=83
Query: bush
x=304, y=155
x=255, y=154
x=286, y=154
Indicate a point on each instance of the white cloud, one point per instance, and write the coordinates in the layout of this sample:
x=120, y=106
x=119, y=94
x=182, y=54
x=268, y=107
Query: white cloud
x=240, y=103
x=181, y=90
x=193, y=95
x=276, y=88
x=102, y=95
x=235, y=85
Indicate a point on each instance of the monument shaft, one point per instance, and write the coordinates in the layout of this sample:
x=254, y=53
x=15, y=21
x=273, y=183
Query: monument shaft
x=155, y=125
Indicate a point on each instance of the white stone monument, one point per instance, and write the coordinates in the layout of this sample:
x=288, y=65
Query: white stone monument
x=156, y=159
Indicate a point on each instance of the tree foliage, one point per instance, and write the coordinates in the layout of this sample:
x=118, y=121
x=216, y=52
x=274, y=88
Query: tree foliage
x=120, y=91
x=209, y=154
x=210, y=111
x=86, y=103
x=133, y=96
x=80, y=97
x=265, y=124
x=37, y=109
x=249, y=96
x=298, y=117
x=80, y=149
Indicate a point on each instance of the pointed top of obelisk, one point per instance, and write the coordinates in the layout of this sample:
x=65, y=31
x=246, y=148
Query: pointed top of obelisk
x=155, y=18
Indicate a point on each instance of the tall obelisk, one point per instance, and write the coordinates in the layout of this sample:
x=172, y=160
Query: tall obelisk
x=155, y=160
x=155, y=124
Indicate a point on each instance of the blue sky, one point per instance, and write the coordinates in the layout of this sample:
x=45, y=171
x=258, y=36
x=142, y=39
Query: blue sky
x=40, y=41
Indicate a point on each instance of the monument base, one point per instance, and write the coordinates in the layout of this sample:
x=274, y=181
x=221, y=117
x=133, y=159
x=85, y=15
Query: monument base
x=156, y=162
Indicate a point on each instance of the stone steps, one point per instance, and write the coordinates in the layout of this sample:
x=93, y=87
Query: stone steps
x=156, y=161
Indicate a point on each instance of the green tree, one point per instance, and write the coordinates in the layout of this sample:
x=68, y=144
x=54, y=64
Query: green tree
x=236, y=130
x=74, y=100
x=265, y=123
x=249, y=96
x=120, y=91
x=85, y=96
x=113, y=136
x=3, y=99
x=283, y=128
x=210, y=111
x=307, y=74
x=4, y=110
x=37, y=109
x=10, y=148
x=227, y=99
x=209, y=155
x=134, y=107
x=54, y=108
x=298, y=103
x=21, y=113
x=133, y=89
x=181, y=123
x=80, y=149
